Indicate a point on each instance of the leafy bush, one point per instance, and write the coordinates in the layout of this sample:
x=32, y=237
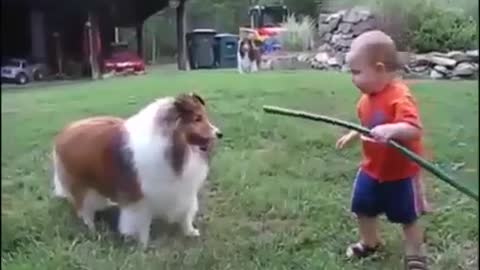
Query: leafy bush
x=443, y=30
x=424, y=25
x=298, y=35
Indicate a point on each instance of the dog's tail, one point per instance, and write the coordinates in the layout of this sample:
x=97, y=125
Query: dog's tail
x=58, y=175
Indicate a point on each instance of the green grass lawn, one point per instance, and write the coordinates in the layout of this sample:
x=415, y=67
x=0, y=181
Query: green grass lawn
x=278, y=193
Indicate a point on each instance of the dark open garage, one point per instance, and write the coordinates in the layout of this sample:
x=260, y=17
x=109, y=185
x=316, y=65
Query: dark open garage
x=68, y=34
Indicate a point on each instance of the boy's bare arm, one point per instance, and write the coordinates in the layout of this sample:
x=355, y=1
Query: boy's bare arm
x=346, y=139
x=405, y=131
x=353, y=134
x=396, y=131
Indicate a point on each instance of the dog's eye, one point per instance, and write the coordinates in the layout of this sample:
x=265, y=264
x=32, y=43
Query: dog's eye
x=198, y=118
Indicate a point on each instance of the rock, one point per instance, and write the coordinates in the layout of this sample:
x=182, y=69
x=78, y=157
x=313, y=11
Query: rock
x=356, y=15
x=344, y=42
x=327, y=37
x=345, y=68
x=323, y=29
x=464, y=70
x=304, y=57
x=442, y=61
x=438, y=54
x=325, y=48
x=317, y=65
x=322, y=57
x=333, y=21
x=420, y=60
x=336, y=16
x=419, y=69
x=458, y=56
x=333, y=24
x=435, y=74
x=363, y=26
x=333, y=62
x=322, y=17
x=473, y=54
x=441, y=69
x=336, y=38
x=340, y=56
x=344, y=27
x=337, y=31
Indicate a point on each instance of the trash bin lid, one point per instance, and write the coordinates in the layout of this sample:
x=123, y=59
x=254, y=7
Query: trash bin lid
x=225, y=35
x=204, y=31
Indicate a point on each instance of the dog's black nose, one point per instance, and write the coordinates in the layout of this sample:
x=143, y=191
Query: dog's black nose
x=219, y=134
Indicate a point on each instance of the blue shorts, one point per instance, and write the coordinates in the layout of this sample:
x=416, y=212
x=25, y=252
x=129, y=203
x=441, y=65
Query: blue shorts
x=400, y=200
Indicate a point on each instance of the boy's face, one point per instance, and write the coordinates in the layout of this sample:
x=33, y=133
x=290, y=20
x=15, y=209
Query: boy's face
x=367, y=77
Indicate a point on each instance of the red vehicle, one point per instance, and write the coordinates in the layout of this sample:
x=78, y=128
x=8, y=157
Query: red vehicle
x=265, y=22
x=123, y=60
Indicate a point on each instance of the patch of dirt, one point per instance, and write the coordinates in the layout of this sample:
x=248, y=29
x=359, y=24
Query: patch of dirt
x=471, y=255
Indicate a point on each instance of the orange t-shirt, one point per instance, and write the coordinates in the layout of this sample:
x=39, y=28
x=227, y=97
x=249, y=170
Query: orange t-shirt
x=394, y=104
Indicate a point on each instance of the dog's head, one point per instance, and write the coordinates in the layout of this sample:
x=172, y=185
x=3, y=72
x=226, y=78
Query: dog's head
x=191, y=123
x=246, y=46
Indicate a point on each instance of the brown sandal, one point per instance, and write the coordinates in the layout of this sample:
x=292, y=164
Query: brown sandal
x=360, y=250
x=415, y=262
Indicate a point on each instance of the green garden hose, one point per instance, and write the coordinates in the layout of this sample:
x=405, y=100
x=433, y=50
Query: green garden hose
x=420, y=161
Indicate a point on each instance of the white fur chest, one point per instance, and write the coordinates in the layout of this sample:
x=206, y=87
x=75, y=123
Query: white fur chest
x=168, y=194
x=245, y=61
x=245, y=64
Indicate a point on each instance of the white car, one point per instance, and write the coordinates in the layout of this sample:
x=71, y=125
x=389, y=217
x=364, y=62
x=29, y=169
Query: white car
x=22, y=71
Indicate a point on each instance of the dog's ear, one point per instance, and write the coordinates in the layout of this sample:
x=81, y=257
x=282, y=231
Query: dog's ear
x=187, y=103
x=198, y=98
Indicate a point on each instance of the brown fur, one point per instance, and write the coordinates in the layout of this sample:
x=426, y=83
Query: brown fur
x=253, y=53
x=191, y=127
x=92, y=153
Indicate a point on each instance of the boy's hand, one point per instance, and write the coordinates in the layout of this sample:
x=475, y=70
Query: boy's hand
x=400, y=131
x=345, y=139
x=383, y=133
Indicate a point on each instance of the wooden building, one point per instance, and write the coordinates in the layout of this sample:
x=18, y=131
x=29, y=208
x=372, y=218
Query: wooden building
x=79, y=30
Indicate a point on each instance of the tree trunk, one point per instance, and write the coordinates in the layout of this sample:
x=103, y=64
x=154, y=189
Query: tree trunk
x=181, y=41
x=117, y=35
x=154, y=48
x=92, y=44
x=139, y=32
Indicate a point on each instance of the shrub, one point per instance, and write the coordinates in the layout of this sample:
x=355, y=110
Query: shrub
x=298, y=35
x=424, y=25
x=443, y=30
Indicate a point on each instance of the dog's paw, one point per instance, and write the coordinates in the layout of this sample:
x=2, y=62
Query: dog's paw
x=192, y=233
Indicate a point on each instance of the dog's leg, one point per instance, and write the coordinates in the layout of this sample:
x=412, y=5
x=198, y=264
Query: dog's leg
x=91, y=203
x=239, y=64
x=254, y=66
x=135, y=221
x=187, y=223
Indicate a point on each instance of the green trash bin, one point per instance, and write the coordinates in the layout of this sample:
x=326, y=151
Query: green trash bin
x=226, y=46
x=200, y=47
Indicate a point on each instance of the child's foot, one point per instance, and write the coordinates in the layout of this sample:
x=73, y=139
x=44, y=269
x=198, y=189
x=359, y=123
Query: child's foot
x=415, y=262
x=360, y=250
